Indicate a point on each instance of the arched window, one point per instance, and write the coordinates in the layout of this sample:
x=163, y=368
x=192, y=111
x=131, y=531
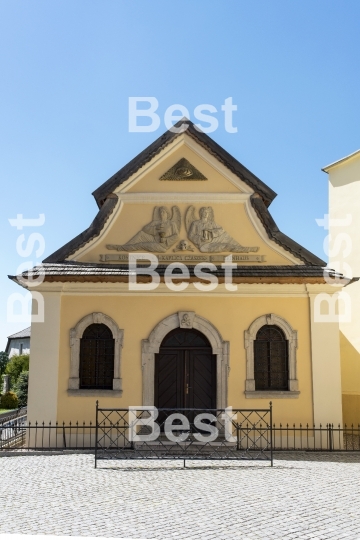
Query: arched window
x=96, y=358
x=271, y=359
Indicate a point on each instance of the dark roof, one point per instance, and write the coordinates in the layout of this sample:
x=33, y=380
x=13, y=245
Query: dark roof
x=23, y=333
x=84, y=271
x=102, y=192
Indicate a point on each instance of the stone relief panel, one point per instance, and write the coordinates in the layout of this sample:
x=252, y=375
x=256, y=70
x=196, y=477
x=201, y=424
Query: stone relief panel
x=186, y=319
x=163, y=232
x=208, y=236
x=158, y=235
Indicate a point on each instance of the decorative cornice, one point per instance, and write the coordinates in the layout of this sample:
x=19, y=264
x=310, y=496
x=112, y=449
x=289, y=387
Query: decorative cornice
x=186, y=197
x=119, y=273
x=245, y=290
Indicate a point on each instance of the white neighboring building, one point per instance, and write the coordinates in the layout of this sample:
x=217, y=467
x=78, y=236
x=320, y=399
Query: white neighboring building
x=19, y=343
x=344, y=256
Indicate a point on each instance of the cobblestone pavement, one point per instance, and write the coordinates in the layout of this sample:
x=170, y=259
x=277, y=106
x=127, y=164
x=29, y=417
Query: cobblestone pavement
x=304, y=496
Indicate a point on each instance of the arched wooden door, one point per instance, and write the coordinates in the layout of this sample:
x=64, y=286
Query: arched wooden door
x=185, y=371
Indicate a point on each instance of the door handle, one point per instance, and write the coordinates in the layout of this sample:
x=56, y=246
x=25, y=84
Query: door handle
x=187, y=388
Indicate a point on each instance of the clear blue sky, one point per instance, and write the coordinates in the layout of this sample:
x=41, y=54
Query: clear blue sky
x=67, y=70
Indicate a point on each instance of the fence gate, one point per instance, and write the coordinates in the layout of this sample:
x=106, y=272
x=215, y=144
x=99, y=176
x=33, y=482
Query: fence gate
x=183, y=434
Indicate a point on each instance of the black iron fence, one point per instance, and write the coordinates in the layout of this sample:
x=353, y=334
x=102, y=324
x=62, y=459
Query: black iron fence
x=328, y=437
x=17, y=434
x=8, y=415
x=183, y=434
x=12, y=429
x=251, y=437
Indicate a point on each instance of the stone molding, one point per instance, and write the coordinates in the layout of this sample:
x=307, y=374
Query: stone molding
x=94, y=393
x=76, y=334
x=272, y=394
x=291, y=336
x=185, y=319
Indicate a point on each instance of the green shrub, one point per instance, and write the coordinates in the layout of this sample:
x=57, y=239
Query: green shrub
x=16, y=365
x=9, y=401
x=21, y=388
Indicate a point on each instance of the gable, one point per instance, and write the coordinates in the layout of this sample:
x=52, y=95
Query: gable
x=158, y=209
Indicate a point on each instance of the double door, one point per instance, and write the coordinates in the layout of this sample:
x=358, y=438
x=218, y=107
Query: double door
x=185, y=378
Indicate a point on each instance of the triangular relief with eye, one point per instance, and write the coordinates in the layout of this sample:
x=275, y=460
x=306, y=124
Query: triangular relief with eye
x=183, y=170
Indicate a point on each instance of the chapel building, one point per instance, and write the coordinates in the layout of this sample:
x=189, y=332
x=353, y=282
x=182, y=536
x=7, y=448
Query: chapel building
x=202, y=342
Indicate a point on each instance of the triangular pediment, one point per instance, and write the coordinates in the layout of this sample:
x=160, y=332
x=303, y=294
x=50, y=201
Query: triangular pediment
x=232, y=165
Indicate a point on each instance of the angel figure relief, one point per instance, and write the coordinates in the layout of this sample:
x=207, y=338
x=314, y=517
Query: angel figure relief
x=158, y=235
x=208, y=236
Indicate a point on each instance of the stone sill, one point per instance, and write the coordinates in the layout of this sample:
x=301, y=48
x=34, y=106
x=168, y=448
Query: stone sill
x=272, y=394
x=94, y=393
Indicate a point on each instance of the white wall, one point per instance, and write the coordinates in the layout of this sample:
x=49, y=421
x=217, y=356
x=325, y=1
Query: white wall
x=15, y=346
x=44, y=363
x=326, y=363
x=344, y=201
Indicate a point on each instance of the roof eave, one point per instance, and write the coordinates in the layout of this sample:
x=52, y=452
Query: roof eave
x=340, y=161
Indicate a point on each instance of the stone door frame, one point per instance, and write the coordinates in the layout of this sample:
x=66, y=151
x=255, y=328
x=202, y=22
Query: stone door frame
x=185, y=319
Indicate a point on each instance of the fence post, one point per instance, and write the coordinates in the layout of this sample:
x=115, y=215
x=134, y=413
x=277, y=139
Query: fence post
x=271, y=436
x=63, y=434
x=330, y=438
x=96, y=432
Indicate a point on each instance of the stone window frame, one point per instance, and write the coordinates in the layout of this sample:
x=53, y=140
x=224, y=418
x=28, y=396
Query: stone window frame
x=76, y=334
x=188, y=320
x=291, y=336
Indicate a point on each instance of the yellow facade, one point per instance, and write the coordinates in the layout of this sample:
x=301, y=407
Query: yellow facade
x=230, y=315
x=277, y=280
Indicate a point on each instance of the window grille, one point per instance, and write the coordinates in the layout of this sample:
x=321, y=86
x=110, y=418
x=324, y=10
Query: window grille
x=271, y=362
x=97, y=357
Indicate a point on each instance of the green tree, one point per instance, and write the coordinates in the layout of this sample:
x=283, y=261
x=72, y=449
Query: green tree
x=21, y=388
x=16, y=365
x=3, y=361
